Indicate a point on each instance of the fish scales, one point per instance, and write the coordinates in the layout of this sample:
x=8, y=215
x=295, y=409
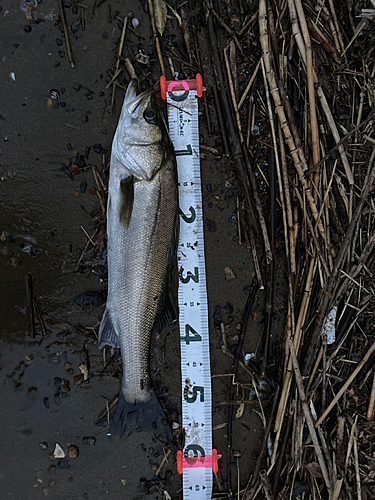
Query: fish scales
x=137, y=259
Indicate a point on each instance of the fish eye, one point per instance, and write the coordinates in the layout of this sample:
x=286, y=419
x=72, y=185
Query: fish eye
x=150, y=114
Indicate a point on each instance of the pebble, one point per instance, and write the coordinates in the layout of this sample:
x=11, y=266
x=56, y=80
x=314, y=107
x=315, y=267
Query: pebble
x=27, y=29
x=76, y=86
x=59, y=42
x=84, y=118
x=43, y=445
x=73, y=451
x=46, y=403
x=83, y=187
x=85, y=47
x=228, y=308
x=51, y=469
x=80, y=161
x=31, y=391
x=210, y=225
x=63, y=464
x=229, y=194
x=78, y=379
x=89, y=96
x=89, y=440
x=69, y=174
x=62, y=53
x=58, y=451
x=217, y=313
x=97, y=148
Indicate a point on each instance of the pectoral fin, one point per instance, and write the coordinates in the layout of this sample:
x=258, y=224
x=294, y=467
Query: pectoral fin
x=125, y=206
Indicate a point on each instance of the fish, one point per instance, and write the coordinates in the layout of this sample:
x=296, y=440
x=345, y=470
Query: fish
x=141, y=229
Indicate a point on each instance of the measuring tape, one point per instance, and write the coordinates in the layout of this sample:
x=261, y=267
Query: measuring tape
x=197, y=459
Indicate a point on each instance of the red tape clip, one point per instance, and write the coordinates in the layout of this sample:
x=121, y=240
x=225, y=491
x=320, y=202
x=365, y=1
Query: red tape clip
x=192, y=462
x=181, y=85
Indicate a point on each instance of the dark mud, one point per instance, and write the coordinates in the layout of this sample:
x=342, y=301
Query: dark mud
x=43, y=211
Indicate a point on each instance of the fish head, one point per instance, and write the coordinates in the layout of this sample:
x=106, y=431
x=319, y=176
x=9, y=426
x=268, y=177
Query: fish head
x=141, y=141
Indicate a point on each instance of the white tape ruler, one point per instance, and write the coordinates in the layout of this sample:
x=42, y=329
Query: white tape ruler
x=197, y=460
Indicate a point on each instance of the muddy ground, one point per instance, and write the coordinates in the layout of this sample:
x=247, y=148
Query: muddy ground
x=46, y=212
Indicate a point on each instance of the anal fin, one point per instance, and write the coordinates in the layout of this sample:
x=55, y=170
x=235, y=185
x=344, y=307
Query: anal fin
x=168, y=314
x=107, y=332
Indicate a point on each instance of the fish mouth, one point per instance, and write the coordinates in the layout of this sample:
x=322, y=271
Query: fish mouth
x=133, y=98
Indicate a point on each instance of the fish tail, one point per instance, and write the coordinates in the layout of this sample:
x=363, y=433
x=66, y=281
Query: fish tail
x=135, y=417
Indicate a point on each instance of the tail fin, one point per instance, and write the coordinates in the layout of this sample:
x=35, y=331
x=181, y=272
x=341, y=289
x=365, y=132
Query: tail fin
x=135, y=417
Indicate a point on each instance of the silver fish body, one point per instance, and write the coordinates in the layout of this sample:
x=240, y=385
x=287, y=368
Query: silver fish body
x=141, y=218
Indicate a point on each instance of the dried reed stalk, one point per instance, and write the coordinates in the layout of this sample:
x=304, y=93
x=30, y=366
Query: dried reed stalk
x=297, y=340
x=280, y=110
x=323, y=101
x=232, y=93
x=121, y=46
x=310, y=84
x=155, y=31
x=332, y=280
x=308, y=417
x=289, y=212
x=346, y=385
x=338, y=31
x=371, y=405
x=248, y=86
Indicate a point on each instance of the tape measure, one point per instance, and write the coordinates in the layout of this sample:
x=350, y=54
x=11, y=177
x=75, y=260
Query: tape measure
x=197, y=460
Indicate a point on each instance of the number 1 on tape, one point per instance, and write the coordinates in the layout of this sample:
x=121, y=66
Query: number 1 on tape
x=197, y=460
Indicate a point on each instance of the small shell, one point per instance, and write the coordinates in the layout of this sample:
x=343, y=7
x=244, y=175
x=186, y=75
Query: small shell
x=135, y=22
x=55, y=94
x=229, y=274
x=142, y=58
